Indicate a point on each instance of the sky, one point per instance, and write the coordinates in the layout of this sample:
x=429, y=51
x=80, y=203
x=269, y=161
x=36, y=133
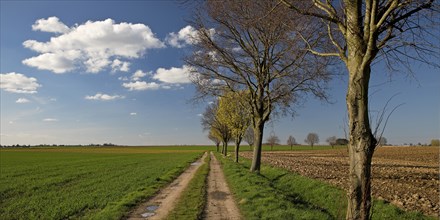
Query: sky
x=94, y=72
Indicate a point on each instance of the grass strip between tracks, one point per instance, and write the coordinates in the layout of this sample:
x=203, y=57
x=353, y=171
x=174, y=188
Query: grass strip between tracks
x=193, y=199
x=276, y=193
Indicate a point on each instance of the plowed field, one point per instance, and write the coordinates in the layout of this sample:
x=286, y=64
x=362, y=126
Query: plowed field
x=405, y=176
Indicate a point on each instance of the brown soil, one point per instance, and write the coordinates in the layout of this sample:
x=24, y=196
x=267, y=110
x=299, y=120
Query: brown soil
x=220, y=204
x=405, y=176
x=159, y=206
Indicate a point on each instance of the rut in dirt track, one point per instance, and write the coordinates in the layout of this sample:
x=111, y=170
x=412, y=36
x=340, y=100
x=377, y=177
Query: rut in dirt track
x=220, y=203
x=164, y=202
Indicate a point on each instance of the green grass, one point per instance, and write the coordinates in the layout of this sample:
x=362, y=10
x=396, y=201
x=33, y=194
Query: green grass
x=193, y=199
x=100, y=183
x=279, y=194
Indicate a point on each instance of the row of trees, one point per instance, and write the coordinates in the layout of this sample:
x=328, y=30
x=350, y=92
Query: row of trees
x=278, y=52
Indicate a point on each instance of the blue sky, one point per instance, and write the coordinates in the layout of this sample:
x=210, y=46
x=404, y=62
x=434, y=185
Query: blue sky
x=81, y=72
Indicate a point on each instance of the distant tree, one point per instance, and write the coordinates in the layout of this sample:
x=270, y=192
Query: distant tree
x=341, y=141
x=332, y=141
x=291, y=141
x=234, y=111
x=312, y=139
x=435, y=142
x=249, y=137
x=210, y=122
x=214, y=138
x=382, y=141
x=272, y=140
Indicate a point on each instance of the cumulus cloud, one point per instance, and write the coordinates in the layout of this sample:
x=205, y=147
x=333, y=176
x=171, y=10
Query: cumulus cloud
x=51, y=24
x=22, y=100
x=104, y=97
x=50, y=120
x=141, y=85
x=93, y=46
x=173, y=75
x=186, y=35
x=138, y=75
x=118, y=65
x=18, y=83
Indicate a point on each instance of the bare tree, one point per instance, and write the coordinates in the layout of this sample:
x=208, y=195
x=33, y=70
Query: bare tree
x=331, y=140
x=249, y=137
x=397, y=31
x=291, y=141
x=273, y=140
x=214, y=138
x=242, y=47
x=211, y=122
x=312, y=139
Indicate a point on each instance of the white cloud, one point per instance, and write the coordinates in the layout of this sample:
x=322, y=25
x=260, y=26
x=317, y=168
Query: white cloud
x=173, y=75
x=50, y=120
x=186, y=36
x=104, y=97
x=51, y=24
x=138, y=75
x=118, y=65
x=93, y=46
x=141, y=85
x=123, y=78
x=133, y=113
x=22, y=100
x=18, y=83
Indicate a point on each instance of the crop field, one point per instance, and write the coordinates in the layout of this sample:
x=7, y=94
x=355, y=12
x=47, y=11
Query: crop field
x=75, y=182
x=404, y=176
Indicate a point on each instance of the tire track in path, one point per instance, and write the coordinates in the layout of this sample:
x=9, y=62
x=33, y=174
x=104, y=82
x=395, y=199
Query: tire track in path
x=160, y=205
x=220, y=203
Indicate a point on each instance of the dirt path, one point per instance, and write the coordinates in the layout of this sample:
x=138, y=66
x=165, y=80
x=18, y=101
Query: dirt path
x=159, y=206
x=220, y=204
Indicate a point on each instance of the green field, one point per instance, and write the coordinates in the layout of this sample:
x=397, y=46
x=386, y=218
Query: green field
x=75, y=182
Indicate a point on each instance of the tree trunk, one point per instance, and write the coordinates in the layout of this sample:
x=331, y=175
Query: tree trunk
x=225, y=147
x=258, y=137
x=271, y=147
x=361, y=145
x=217, y=146
x=237, y=148
x=291, y=147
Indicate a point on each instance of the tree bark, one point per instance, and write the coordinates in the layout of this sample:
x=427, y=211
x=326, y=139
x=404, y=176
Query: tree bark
x=217, y=146
x=361, y=145
x=258, y=132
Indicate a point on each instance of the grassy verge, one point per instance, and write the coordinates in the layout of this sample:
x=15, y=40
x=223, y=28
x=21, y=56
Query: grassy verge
x=279, y=194
x=193, y=199
x=60, y=184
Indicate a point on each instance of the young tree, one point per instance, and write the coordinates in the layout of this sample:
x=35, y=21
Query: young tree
x=312, y=138
x=234, y=112
x=249, y=137
x=361, y=31
x=291, y=141
x=255, y=51
x=211, y=122
x=273, y=140
x=214, y=138
x=331, y=140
